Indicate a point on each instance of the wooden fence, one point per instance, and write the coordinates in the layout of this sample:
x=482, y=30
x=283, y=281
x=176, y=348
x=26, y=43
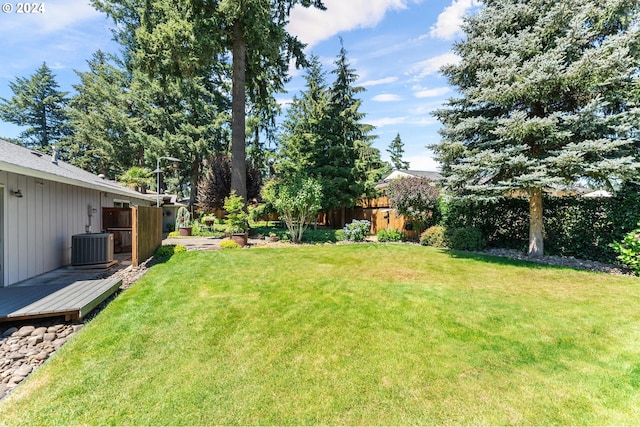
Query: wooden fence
x=376, y=211
x=147, y=232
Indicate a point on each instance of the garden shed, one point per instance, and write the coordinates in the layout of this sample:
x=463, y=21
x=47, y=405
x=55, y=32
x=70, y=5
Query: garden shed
x=43, y=203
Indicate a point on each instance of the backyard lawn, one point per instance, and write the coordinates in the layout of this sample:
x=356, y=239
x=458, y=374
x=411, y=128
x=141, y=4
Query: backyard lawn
x=348, y=334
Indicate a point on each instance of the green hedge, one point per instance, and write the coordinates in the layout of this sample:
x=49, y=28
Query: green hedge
x=573, y=226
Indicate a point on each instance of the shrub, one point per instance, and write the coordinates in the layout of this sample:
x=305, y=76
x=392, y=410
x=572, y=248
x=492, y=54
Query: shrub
x=168, y=250
x=357, y=230
x=389, y=236
x=297, y=199
x=629, y=250
x=417, y=198
x=229, y=244
x=467, y=239
x=340, y=235
x=435, y=236
x=237, y=218
x=183, y=217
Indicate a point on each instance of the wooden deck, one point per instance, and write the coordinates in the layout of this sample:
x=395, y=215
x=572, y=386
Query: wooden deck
x=72, y=301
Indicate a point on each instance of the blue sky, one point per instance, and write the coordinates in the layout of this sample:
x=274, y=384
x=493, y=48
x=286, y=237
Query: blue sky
x=396, y=47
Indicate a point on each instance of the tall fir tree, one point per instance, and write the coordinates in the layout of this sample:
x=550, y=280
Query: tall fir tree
x=324, y=137
x=305, y=128
x=544, y=100
x=107, y=135
x=40, y=106
x=179, y=38
x=396, y=151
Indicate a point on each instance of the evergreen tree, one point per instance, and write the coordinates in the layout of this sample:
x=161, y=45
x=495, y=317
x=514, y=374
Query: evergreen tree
x=180, y=38
x=108, y=135
x=396, y=150
x=305, y=128
x=544, y=100
x=323, y=137
x=347, y=163
x=38, y=104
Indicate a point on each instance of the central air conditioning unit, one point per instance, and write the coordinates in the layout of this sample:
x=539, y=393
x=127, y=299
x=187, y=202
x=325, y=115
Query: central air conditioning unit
x=91, y=248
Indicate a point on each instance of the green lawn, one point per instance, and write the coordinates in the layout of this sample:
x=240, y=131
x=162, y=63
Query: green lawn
x=348, y=334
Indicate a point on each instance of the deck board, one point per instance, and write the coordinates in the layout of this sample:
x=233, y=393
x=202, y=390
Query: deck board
x=75, y=300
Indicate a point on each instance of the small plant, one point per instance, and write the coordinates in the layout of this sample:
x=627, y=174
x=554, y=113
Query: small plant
x=389, y=236
x=229, y=244
x=467, y=239
x=173, y=234
x=435, y=236
x=237, y=218
x=168, y=250
x=357, y=230
x=629, y=250
x=183, y=218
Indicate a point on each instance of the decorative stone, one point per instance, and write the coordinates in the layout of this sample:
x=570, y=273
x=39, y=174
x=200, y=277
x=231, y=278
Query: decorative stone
x=49, y=336
x=15, y=356
x=77, y=328
x=39, y=331
x=41, y=356
x=54, y=328
x=34, y=340
x=25, y=331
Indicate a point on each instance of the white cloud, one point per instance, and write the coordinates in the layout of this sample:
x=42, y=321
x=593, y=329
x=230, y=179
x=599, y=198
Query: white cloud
x=378, y=82
x=432, y=65
x=58, y=15
x=312, y=25
x=386, y=97
x=447, y=27
x=387, y=121
x=432, y=93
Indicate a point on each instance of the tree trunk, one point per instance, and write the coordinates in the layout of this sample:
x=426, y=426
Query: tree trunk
x=238, y=137
x=536, y=243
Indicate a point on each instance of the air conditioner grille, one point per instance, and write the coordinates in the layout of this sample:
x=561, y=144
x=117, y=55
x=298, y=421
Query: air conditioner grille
x=91, y=248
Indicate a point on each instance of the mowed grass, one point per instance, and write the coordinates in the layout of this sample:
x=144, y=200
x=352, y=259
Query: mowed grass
x=348, y=334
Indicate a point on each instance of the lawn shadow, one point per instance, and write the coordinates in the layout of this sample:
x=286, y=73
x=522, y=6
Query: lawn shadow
x=506, y=260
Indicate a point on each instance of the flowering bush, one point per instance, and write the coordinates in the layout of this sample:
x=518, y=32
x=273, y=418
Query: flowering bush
x=629, y=250
x=357, y=230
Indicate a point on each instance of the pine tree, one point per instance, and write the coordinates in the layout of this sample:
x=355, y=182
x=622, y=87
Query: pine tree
x=544, y=100
x=396, y=150
x=38, y=104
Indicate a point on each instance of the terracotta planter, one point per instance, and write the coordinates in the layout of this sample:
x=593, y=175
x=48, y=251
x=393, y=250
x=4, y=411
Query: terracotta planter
x=240, y=238
x=185, y=231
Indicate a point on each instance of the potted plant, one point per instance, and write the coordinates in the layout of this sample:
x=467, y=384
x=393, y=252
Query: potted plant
x=237, y=220
x=273, y=237
x=183, y=221
x=209, y=220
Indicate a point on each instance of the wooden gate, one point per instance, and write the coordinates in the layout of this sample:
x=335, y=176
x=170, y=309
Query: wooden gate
x=147, y=232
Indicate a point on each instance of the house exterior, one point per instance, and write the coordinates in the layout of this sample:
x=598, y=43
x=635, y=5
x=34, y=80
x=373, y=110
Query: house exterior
x=43, y=203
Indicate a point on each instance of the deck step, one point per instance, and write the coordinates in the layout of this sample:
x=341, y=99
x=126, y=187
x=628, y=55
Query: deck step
x=72, y=301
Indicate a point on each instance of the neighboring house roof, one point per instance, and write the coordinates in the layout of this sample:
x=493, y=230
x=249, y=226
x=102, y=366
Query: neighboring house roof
x=435, y=176
x=413, y=174
x=25, y=161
